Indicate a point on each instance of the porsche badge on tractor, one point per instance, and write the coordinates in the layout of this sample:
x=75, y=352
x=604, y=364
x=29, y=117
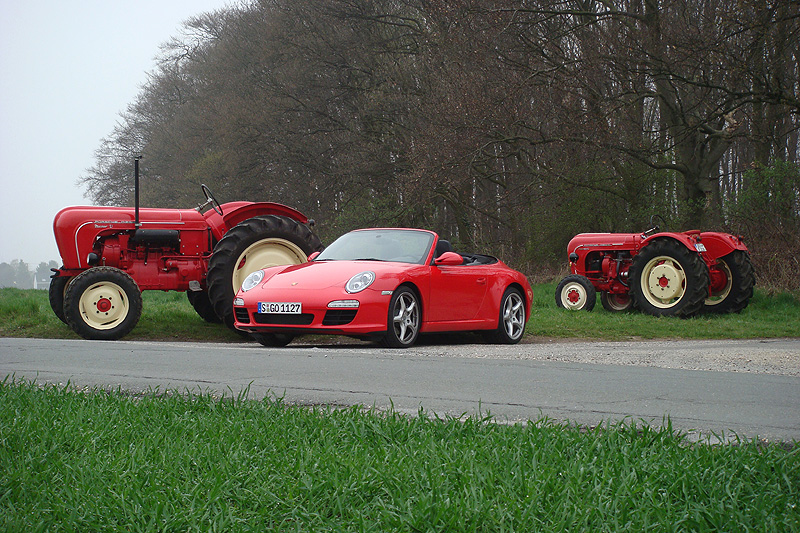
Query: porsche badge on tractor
x=659, y=273
x=110, y=254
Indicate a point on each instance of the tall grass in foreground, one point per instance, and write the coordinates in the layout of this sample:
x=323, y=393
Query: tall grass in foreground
x=97, y=461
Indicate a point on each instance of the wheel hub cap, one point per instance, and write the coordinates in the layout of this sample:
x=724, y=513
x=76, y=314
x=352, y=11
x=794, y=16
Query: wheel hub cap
x=665, y=282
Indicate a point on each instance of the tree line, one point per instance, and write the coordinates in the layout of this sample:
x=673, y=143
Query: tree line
x=507, y=126
x=18, y=274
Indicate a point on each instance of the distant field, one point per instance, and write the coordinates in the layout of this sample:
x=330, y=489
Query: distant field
x=169, y=316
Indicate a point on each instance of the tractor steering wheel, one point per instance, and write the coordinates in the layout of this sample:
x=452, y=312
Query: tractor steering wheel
x=655, y=228
x=210, y=200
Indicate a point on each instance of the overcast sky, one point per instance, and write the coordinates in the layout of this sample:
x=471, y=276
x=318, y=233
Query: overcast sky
x=68, y=68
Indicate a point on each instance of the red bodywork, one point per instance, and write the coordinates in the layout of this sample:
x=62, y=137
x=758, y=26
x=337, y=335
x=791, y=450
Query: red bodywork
x=455, y=296
x=605, y=258
x=169, y=250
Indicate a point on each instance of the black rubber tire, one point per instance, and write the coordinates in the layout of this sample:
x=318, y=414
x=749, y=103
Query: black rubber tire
x=688, y=298
x=613, y=302
x=273, y=340
x=512, y=316
x=229, y=250
x=201, y=304
x=743, y=280
x=404, y=302
x=580, y=287
x=58, y=285
x=114, y=286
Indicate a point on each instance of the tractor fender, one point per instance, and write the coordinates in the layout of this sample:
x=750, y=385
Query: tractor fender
x=237, y=212
x=721, y=244
x=688, y=239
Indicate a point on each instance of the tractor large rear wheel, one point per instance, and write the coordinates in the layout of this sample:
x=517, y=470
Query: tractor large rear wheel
x=668, y=279
x=256, y=243
x=58, y=286
x=201, y=304
x=732, y=282
x=102, y=303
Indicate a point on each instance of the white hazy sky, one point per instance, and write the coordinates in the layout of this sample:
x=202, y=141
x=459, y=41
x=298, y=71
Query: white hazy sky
x=68, y=69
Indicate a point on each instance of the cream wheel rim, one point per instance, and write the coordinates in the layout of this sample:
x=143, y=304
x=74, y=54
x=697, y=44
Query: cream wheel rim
x=104, y=305
x=573, y=296
x=664, y=282
x=264, y=254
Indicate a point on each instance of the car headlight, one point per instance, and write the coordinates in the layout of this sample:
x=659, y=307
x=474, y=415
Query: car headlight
x=360, y=281
x=252, y=280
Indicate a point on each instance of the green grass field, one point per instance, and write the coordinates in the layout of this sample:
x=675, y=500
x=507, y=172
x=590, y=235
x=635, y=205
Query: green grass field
x=168, y=316
x=97, y=461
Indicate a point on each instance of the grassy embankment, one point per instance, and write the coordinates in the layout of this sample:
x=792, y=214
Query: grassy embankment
x=168, y=316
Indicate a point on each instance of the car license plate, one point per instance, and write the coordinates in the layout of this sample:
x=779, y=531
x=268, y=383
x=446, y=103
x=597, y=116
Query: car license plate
x=700, y=247
x=280, y=308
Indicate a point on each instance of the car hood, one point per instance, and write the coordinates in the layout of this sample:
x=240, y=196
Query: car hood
x=318, y=275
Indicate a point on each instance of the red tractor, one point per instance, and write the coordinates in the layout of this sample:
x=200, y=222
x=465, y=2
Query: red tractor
x=659, y=273
x=111, y=254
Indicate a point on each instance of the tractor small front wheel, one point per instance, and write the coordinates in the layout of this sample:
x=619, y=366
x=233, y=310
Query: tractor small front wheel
x=576, y=293
x=102, y=303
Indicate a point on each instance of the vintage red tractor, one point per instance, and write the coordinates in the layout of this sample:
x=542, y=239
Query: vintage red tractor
x=659, y=273
x=111, y=254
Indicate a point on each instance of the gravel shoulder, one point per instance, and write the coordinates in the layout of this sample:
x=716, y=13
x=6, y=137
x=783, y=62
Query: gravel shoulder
x=767, y=356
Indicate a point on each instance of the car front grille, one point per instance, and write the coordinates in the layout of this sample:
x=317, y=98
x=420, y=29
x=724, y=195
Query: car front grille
x=339, y=317
x=283, y=320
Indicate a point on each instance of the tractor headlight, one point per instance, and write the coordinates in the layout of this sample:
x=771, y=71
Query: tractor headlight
x=360, y=281
x=252, y=280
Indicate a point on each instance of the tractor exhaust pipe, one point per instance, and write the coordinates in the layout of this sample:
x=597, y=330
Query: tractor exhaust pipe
x=136, y=189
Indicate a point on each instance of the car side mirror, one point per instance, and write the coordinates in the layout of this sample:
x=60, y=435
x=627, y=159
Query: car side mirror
x=313, y=256
x=448, y=259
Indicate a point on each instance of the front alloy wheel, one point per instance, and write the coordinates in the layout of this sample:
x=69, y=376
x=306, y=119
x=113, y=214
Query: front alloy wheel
x=404, y=319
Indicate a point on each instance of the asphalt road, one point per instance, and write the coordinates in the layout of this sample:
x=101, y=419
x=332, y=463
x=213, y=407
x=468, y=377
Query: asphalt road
x=509, y=383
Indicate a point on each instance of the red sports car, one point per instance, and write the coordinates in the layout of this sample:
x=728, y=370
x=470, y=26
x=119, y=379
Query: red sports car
x=390, y=284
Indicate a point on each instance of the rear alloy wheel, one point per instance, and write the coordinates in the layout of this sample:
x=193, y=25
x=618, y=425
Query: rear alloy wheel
x=576, y=293
x=256, y=243
x=732, y=282
x=405, y=318
x=102, y=303
x=511, y=324
x=615, y=302
x=668, y=279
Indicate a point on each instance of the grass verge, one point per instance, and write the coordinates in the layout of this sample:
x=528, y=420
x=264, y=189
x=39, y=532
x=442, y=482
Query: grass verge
x=169, y=316
x=96, y=461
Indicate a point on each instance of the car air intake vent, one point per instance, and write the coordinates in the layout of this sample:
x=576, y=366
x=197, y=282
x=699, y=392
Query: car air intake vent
x=284, y=320
x=241, y=315
x=339, y=317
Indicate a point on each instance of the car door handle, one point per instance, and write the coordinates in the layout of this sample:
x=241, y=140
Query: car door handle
x=481, y=281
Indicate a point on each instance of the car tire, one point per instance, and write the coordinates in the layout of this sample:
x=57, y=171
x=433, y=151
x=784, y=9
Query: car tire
x=404, y=319
x=272, y=340
x=258, y=242
x=102, y=303
x=511, y=322
x=576, y=293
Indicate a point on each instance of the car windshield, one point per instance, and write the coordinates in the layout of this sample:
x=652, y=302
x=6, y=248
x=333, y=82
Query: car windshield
x=398, y=245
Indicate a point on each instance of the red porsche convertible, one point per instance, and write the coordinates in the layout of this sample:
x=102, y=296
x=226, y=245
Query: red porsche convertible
x=390, y=284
